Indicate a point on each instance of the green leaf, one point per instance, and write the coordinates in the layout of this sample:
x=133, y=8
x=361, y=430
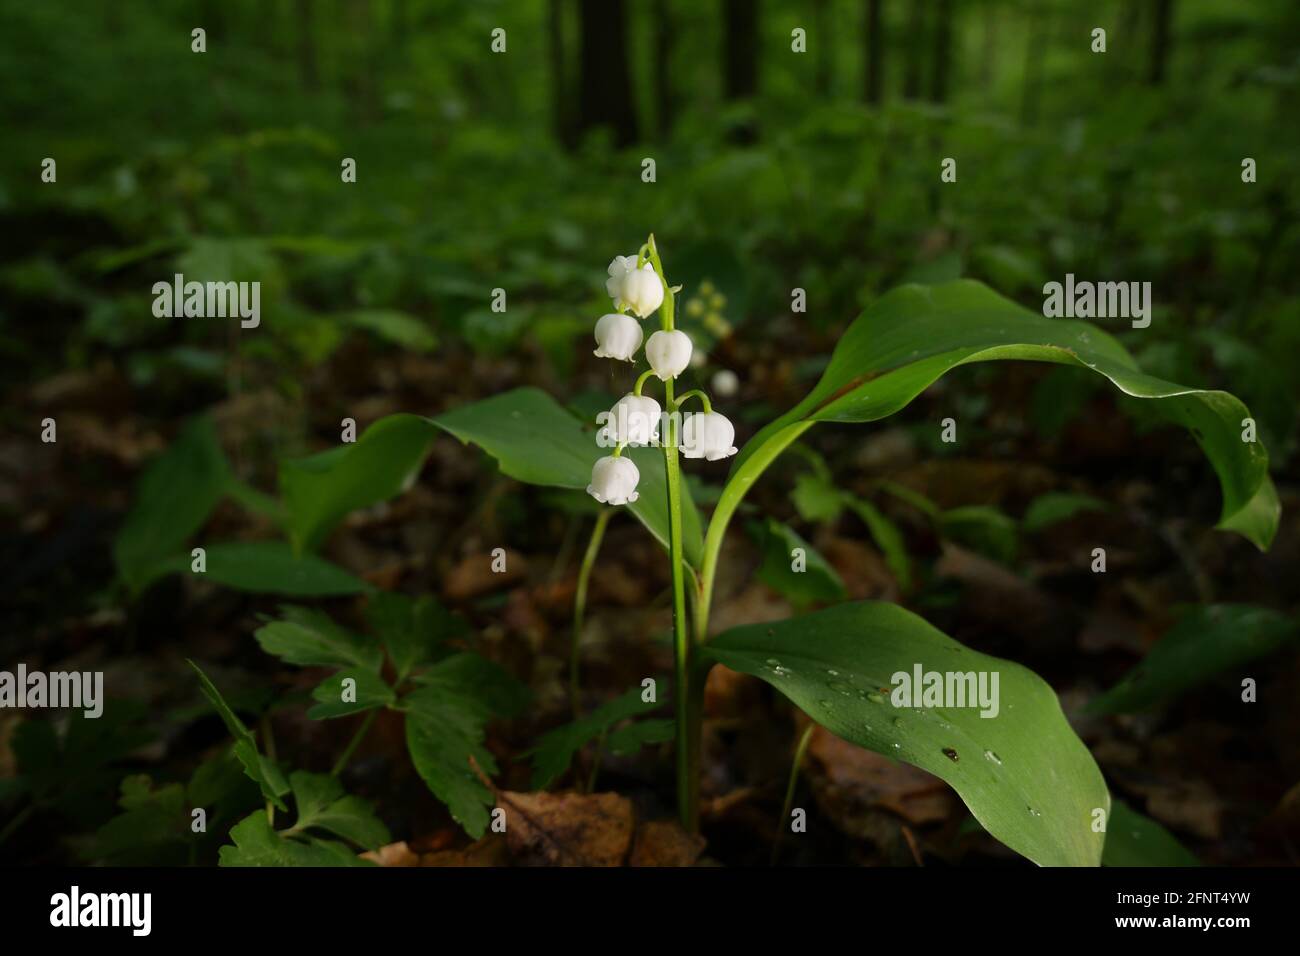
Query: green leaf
x=818, y=581
x=816, y=498
x=1206, y=641
x=887, y=536
x=630, y=738
x=399, y=328
x=323, y=805
x=371, y=692
x=412, y=630
x=257, y=844
x=536, y=441
x=310, y=638
x=151, y=822
x=321, y=490
x=983, y=529
x=555, y=749
x=445, y=726
x=1023, y=773
x=1055, y=506
x=913, y=335
x=262, y=770
x=1135, y=840
x=173, y=499
x=270, y=567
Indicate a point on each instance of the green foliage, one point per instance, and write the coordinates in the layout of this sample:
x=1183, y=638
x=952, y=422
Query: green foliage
x=1205, y=642
x=555, y=750
x=261, y=769
x=815, y=581
x=1135, y=840
x=1056, y=506
x=909, y=338
x=536, y=441
x=1023, y=773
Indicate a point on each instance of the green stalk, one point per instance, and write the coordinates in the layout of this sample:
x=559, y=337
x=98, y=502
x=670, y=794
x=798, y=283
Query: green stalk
x=789, y=789
x=732, y=494
x=342, y=762
x=580, y=604
x=688, y=771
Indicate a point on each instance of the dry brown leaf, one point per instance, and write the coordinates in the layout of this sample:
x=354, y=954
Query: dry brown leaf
x=665, y=843
x=568, y=829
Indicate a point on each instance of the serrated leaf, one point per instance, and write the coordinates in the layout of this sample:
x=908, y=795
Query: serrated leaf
x=1206, y=641
x=912, y=336
x=555, y=749
x=309, y=638
x=320, y=491
x=1022, y=773
x=322, y=804
x=257, y=844
x=445, y=726
x=371, y=692
x=262, y=770
x=411, y=630
x=536, y=441
x=630, y=738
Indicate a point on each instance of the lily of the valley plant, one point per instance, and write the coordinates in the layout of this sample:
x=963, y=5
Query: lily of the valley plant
x=1023, y=773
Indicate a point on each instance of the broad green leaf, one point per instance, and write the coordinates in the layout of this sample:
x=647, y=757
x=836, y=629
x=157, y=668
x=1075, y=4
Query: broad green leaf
x=152, y=822
x=320, y=491
x=886, y=536
x=816, y=498
x=784, y=550
x=913, y=335
x=445, y=726
x=1022, y=773
x=173, y=499
x=555, y=749
x=323, y=805
x=371, y=692
x=1046, y=510
x=536, y=441
x=310, y=638
x=983, y=529
x=1135, y=840
x=262, y=770
x=1206, y=641
x=270, y=567
x=257, y=844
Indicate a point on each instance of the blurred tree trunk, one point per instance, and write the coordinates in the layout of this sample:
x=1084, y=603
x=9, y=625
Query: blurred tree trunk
x=740, y=49
x=941, y=68
x=875, y=53
x=560, y=114
x=989, y=54
x=1161, y=41
x=664, y=28
x=915, y=50
x=308, y=71
x=1037, y=36
x=605, y=97
x=825, y=48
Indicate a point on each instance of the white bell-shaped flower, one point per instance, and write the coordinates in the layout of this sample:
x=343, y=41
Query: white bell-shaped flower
x=617, y=336
x=634, y=420
x=668, y=353
x=708, y=435
x=642, y=290
x=614, y=480
x=620, y=267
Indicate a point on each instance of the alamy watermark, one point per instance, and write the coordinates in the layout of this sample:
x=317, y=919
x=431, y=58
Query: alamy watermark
x=1098, y=300
x=220, y=300
x=58, y=690
x=952, y=689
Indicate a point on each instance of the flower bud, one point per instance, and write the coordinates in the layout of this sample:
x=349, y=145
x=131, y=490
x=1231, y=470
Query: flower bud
x=619, y=269
x=634, y=420
x=668, y=353
x=613, y=481
x=708, y=435
x=617, y=336
x=642, y=290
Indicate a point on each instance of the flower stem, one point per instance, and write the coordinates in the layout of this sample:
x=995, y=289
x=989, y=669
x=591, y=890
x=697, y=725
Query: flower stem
x=688, y=750
x=580, y=604
x=641, y=380
x=342, y=762
x=701, y=395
